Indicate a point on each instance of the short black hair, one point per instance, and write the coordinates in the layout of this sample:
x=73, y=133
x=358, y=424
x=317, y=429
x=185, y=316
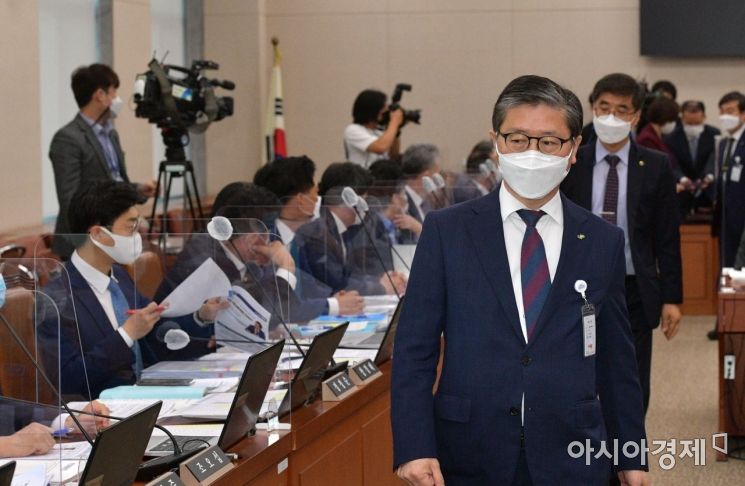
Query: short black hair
x=287, y=177
x=619, y=84
x=367, y=105
x=666, y=86
x=100, y=203
x=693, y=106
x=534, y=90
x=86, y=80
x=242, y=202
x=339, y=175
x=479, y=154
x=387, y=178
x=734, y=96
x=662, y=110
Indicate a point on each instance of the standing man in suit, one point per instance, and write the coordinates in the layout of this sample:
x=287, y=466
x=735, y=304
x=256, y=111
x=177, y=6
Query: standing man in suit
x=632, y=187
x=88, y=149
x=101, y=337
x=731, y=183
x=692, y=143
x=504, y=279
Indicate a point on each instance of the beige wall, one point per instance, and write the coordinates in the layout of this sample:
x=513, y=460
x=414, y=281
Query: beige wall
x=458, y=55
x=20, y=119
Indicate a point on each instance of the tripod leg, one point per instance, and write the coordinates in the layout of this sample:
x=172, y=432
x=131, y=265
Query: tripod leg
x=196, y=191
x=151, y=222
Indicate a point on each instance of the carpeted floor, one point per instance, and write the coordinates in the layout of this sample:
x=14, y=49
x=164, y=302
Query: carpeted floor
x=684, y=405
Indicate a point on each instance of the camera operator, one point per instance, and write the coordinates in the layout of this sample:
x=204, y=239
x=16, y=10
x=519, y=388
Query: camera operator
x=87, y=149
x=364, y=141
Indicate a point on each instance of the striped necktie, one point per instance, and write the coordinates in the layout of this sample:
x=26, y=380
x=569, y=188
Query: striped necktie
x=536, y=280
x=610, y=201
x=121, y=306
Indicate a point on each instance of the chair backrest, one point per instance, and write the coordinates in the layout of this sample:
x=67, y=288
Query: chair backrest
x=18, y=376
x=147, y=272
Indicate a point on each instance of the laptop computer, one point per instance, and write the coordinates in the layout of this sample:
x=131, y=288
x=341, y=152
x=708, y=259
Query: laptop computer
x=6, y=473
x=244, y=410
x=117, y=451
x=309, y=375
x=385, y=351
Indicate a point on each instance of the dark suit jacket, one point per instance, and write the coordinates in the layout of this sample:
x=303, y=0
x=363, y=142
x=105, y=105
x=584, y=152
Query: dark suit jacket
x=460, y=287
x=465, y=189
x=320, y=256
x=16, y=414
x=653, y=222
x=731, y=202
x=78, y=159
x=108, y=360
x=698, y=167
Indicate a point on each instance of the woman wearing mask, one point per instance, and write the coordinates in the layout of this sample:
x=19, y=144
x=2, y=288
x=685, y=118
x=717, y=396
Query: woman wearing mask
x=663, y=117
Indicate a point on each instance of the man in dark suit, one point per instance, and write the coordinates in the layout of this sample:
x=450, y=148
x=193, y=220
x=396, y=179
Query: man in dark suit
x=88, y=149
x=692, y=143
x=527, y=290
x=98, y=333
x=419, y=161
x=334, y=249
x=476, y=181
x=633, y=187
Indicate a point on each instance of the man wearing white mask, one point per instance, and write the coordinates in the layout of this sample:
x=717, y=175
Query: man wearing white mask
x=527, y=290
x=730, y=160
x=88, y=148
x=692, y=142
x=632, y=187
x=102, y=337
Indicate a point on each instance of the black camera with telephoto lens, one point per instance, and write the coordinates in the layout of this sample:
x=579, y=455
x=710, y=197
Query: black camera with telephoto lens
x=413, y=116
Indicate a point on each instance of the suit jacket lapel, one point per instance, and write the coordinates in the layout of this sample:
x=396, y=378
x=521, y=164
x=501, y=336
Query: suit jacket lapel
x=90, y=304
x=571, y=250
x=487, y=234
x=634, y=182
x=585, y=171
x=93, y=141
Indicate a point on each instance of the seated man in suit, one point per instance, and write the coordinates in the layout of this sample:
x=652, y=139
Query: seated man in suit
x=418, y=161
x=22, y=429
x=504, y=279
x=693, y=142
x=476, y=182
x=99, y=340
x=389, y=202
x=335, y=250
x=88, y=149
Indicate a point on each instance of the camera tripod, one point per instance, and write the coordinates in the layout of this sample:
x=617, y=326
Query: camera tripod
x=174, y=167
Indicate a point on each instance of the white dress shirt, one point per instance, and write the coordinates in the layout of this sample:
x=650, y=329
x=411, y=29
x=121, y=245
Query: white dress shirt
x=418, y=200
x=599, y=177
x=99, y=284
x=551, y=229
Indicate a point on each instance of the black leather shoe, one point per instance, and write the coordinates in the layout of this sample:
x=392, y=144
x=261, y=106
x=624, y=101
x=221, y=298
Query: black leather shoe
x=713, y=335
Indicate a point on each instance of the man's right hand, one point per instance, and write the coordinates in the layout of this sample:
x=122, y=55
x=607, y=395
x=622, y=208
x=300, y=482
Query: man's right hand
x=350, y=302
x=397, y=117
x=421, y=472
x=141, y=322
x=32, y=439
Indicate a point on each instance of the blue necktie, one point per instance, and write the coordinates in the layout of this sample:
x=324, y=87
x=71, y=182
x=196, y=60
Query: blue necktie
x=121, y=306
x=536, y=280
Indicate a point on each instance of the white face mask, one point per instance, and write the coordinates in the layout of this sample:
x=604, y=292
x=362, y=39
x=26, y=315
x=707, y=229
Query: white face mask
x=693, y=130
x=729, y=122
x=126, y=249
x=316, y=208
x=668, y=128
x=610, y=129
x=533, y=174
x=116, y=106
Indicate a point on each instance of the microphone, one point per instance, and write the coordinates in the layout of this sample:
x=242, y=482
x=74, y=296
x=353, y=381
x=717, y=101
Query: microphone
x=175, y=338
x=38, y=367
x=352, y=200
x=221, y=229
x=440, y=184
x=431, y=188
x=225, y=84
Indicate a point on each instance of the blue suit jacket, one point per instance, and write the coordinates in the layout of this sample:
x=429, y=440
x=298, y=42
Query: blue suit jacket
x=460, y=287
x=108, y=360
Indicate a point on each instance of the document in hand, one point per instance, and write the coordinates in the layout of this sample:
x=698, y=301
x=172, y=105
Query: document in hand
x=245, y=320
x=207, y=281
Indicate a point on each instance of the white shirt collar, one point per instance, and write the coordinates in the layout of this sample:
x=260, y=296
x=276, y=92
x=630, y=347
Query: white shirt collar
x=239, y=265
x=418, y=200
x=285, y=232
x=601, y=152
x=340, y=226
x=482, y=189
x=98, y=281
x=509, y=204
x=736, y=136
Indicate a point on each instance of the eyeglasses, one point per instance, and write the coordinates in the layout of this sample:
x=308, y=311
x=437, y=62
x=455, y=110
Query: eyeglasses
x=130, y=227
x=519, y=142
x=621, y=111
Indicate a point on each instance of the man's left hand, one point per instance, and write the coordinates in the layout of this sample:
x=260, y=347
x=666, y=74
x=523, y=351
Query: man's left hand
x=670, y=320
x=210, y=308
x=634, y=478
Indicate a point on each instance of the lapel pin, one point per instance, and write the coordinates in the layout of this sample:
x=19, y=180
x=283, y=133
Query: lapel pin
x=581, y=236
x=641, y=163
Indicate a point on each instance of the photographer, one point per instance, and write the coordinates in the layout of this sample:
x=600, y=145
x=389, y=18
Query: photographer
x=364, y=141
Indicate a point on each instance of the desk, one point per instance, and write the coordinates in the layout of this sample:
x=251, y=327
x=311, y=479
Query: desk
x=731, y=327
x=700, y=256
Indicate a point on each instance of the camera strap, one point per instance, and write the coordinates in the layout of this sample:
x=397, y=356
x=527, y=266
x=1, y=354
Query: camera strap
x=165, y=90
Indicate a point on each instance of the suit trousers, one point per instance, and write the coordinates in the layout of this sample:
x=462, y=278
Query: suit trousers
x=642, y=336
x=522, y=473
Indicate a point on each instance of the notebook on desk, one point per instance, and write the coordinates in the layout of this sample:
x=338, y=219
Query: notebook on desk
x=385, y=351
x=244, y=409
